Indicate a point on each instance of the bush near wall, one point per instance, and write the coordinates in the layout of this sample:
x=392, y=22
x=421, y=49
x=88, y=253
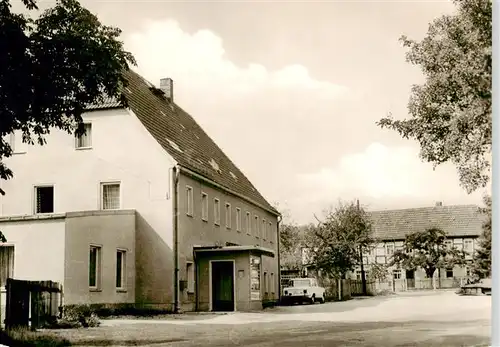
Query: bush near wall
x=110, y=310
x=76, y=316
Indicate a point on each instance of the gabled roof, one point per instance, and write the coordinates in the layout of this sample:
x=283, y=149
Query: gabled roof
x=455, y=221
x=181, y=137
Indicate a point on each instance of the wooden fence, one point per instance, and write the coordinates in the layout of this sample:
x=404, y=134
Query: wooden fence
x=31, y=303
x=347, y=288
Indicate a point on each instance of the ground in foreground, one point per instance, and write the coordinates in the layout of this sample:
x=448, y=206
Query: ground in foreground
x=435, y=319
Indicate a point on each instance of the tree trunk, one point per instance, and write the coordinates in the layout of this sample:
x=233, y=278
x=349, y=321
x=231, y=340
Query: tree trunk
x=340, y=288
x=430, y=274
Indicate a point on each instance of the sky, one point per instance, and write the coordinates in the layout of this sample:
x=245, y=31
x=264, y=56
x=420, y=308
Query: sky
x=291, y=92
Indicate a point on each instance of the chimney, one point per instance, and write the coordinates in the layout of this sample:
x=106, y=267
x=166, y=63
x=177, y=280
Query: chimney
x=439, y=203
x=167, y=87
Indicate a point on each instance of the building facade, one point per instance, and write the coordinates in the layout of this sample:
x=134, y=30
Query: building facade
x=143, y=209
x=461, y=223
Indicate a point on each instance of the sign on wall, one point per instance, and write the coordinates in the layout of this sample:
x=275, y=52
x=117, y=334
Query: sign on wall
x=254, y=278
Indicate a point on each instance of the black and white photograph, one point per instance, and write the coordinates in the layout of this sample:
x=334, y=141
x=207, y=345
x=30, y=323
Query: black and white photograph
x=264, y=173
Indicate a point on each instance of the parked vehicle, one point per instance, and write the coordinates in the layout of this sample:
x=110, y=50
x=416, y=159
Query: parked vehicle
x=482, y=287
x=303, y=290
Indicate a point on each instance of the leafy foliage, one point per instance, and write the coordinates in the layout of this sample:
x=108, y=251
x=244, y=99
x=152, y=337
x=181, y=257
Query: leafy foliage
x=427, y=250
x=290, y=242
x=481, y=267
x=80, y=316
x=451, y=111
x=51, y=68
x=378, y=272
x=335, y=242
x=290, y=248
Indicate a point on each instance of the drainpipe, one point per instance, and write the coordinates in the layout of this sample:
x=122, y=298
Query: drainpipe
x=175, y=194
x=279, y=262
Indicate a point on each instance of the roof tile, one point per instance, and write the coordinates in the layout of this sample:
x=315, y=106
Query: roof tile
x=454, y=220
x=175, y=129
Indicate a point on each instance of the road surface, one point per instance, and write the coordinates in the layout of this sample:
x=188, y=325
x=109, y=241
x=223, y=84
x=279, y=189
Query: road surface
x=429, y=319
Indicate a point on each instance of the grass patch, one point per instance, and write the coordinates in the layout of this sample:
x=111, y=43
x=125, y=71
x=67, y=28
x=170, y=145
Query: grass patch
x=23, y=337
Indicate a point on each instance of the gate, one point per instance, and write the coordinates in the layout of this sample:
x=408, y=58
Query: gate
x=37, y=302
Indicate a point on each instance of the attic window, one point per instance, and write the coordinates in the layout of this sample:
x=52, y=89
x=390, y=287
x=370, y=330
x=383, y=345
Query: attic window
x=214, y=165
x=233, y=176
x=174, y=145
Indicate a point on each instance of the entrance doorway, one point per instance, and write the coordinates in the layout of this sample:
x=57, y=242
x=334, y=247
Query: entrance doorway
x=410, y=279
x=222, y=273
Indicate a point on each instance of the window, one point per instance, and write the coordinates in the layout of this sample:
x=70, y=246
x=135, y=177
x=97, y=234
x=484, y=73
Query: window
x=248, y=224
x=457, y=243
x=189, y=201
x=270, y=232
x=256, y=225
x=6, y=264
x=380, y=250
x=217, y=211
x=468, y=246
x=389, y=248
x=448, y=244
x=204, y=207
x=228, y=215
x=110, y=196
x=44, y=199
x=380, y=259
x=94, y=267
x=190, y=277
x=365, y=260
x=15, y=141
x=238, y=219
x=358, y=275
x=85, y=140
x=264, y=229
x=449, y=273
x=396, y=274
x=12, y=141
x=120, y=269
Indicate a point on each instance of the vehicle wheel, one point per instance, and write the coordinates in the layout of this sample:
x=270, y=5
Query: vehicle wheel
x=313, y=299
x=322, y=300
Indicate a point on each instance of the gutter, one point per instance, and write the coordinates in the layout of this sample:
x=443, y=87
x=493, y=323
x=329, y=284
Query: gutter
x=175, y=197
x=232, y=192
x=280, y=218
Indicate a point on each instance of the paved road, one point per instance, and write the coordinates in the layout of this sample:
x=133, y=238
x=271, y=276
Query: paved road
x=436, y=319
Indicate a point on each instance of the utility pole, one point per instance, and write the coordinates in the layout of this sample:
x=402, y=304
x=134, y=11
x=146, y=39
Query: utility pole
x=363, y=277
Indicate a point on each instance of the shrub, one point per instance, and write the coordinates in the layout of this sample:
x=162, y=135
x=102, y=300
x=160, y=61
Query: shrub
x=384, y=292
x=79, y=316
